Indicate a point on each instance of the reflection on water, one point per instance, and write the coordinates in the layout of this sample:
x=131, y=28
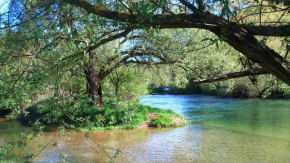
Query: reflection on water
x=219, y=130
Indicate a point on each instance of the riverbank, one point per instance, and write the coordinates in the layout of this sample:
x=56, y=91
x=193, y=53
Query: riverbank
x=238, y=91
x=111, y=115
x=235, y=95
x=4, y=119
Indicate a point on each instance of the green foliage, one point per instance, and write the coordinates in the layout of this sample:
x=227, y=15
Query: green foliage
x=162, y=121
x=127, y=83
x=7, y=149
x=79, y=113
x=203, y=60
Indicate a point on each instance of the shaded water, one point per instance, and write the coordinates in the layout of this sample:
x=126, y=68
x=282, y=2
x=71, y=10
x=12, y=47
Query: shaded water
x=219, y=130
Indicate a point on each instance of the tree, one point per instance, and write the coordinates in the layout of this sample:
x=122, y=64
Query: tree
x=119, y=78
x=245, y=26
x=68, y=36
x=218, y=17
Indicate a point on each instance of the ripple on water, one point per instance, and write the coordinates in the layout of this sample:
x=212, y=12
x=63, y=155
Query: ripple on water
x=221, y=130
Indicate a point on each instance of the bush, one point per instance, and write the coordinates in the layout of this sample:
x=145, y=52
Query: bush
x=240, y=90
x=162, y=121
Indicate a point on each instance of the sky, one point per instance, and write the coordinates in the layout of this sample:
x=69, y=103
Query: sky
x=3, y=9
x=3, y=5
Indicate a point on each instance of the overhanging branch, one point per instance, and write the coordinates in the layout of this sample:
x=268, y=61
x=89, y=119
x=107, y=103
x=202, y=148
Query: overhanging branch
x=233, y=75
x=278, y=31
x=236, y=35
x=177, y=20
x=160, y=20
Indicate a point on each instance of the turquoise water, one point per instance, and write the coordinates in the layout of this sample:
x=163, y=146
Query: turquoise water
x=233, y=130
x=218, y=130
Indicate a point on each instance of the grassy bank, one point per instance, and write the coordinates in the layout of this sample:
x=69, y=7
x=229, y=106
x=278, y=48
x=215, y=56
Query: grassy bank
x=113, y=114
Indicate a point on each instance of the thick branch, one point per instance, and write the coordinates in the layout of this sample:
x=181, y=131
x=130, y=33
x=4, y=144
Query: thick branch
x=232, y=76
x=279, y=31
x=158, y=20
x=176, y=21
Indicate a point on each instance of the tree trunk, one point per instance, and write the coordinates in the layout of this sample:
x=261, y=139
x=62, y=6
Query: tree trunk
x=116, y=90
x=93, y=81
x=100, y=93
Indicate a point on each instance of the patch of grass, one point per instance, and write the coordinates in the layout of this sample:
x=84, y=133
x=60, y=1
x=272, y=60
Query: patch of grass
x=78, y=114
x=162, y=121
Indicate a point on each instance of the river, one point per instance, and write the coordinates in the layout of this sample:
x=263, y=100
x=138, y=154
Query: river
x=218, y=130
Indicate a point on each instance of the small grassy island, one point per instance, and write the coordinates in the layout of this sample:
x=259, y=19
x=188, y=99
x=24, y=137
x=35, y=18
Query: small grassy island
x=69, y=115
x=112, y=114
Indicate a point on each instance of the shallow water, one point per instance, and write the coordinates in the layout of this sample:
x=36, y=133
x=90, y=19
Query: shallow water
x=219, y=130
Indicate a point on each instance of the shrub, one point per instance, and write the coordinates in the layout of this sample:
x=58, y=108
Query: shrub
x=162, y=121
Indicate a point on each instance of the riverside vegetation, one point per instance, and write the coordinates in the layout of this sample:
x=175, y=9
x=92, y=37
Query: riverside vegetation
x=113, y=114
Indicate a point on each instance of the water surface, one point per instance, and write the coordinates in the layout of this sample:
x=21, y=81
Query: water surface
x=219, y=130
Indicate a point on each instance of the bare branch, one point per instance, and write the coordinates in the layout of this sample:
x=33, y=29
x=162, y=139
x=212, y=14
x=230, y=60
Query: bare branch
x=111, y=38
x=233, y=75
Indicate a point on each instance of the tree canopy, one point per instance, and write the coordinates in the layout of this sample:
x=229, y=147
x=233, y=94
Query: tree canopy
x=96, y=37
x=223, y=18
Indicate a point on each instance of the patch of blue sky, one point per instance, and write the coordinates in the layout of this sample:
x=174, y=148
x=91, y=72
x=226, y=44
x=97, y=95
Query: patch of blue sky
x=4, y=6
x=3, y=11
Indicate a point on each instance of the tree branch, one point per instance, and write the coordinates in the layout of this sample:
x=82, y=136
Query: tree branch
x=111, y=38
x=278, y=31
x=158, y=20
x=234, y=34
x=187, y=4
x=201, y=5
x=233, y=75
x=176, y=21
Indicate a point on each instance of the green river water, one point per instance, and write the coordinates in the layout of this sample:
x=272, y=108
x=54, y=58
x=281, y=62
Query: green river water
x=218, y=130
